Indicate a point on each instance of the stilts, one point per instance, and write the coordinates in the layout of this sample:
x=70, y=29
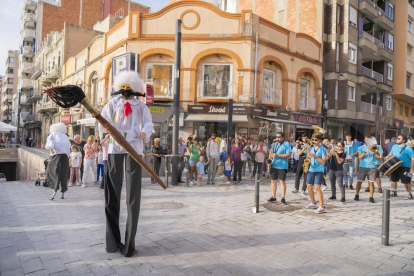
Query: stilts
x=53, y=196
x=63, y=196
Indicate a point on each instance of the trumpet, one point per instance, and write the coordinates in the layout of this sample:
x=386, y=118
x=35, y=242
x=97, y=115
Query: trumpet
x=375, y=148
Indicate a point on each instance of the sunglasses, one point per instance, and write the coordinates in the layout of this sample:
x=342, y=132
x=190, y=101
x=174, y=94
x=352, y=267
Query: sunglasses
x=315, y=139
x=277, y=137
x=399, y=138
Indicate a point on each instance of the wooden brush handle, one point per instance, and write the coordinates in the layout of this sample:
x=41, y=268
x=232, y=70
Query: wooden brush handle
x=121, y=141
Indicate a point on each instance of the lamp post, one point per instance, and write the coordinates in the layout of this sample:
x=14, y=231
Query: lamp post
x=18, y=118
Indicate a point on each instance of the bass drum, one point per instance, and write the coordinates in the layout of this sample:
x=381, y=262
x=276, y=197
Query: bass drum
x=390, y=165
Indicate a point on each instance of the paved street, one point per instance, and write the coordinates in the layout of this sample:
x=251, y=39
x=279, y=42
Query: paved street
x=208, y=230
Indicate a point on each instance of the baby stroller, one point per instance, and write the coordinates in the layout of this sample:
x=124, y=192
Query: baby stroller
x=42, y=176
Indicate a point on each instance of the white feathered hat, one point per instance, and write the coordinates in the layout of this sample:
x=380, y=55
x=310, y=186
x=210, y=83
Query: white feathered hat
x=58, y=128
x=128, y=80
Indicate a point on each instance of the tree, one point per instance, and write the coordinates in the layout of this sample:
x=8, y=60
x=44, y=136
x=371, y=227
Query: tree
x=382, y=124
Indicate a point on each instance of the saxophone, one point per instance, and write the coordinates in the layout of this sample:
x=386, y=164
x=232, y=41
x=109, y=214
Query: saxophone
x=306, y=163
x=269, y=161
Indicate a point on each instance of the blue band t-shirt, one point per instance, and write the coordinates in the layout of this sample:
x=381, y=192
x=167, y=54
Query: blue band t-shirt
x=278, y=162
x=369, y=160
x=315, y=165
x=404, y=156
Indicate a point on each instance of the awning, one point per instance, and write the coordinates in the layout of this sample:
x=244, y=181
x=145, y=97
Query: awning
x=283, y=121
x=87, y=122
x=221, y=118
x=160, y=114
x=6, y=128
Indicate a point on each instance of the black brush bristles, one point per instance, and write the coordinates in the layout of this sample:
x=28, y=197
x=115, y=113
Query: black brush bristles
x=66, y=96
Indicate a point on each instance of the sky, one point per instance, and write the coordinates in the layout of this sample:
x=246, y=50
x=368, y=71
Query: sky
x=10, y=13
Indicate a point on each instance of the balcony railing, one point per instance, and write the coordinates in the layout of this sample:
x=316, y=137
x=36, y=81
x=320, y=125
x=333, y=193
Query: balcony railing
x=34, y=96
x=271, y=96
x=307, y=103
x=54, y=73
x=29, y=33
x=28, y=50
x=372, y=74
x=213, y=89
x=36, y=71
x=46, y=106
x=29, y=17
x=26, y=83
x=370, y=108
x=27, y=67
x=380, y=11
x=371, y=38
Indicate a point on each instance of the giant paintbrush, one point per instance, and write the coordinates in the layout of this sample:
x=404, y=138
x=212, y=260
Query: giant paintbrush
x=70, y=95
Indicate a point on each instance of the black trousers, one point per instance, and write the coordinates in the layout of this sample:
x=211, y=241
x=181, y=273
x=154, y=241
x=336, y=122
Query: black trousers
x=57, y=172
x=181, y=165
x=258, y=166
x=299, y=174
x=238, y=165
x=156, y=165
x=113, y=188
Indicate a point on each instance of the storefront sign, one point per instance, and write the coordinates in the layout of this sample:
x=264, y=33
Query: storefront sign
x=149, y=95
x=154, y=109
x=307, y=119
x=76, y=117
x=125, y=62
x=398, y=124
x=244, y=110
x=65, y=119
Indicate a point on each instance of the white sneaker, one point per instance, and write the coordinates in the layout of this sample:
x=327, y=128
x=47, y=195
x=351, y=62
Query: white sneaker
x=78, y=184
x=70, y=185
x=311, y=206
x=323, y=187
x=83, y=185
x=320, y=210
x=228, y=182
x=191, y=183
x=303, y=192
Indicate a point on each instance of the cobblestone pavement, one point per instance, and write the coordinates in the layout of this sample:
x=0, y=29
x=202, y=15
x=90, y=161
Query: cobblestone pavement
x=207, y=230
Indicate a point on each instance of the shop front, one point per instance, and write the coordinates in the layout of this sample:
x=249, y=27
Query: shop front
x=162, y=120
x=87, y=127
x=73, y=127
x=304, y=124
x=335, y=129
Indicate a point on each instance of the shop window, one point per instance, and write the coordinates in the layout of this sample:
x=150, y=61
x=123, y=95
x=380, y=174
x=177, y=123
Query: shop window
x=217, y=81
x=160, y=75
x=268, y=91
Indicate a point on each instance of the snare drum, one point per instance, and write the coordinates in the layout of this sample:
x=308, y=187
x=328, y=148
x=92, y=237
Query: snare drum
x=389, y=166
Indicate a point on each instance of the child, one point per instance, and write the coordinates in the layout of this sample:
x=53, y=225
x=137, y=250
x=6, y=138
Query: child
x=57, y=170
x=227, y=169
x=99, y=163
x=75, y=158
x=200, y=170
x=89, y=160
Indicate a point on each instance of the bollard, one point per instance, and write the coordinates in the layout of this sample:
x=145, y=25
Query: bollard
x=187, y=178
x=385, y=237
x=256, y=193
x=166, y=171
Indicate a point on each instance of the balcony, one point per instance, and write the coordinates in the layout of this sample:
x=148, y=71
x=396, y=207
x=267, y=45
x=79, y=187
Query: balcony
x=47, y=107
x=23, y=116
x=26, y=84
x=372, y=74
x=28, y=51
x=53, y=74
x=369, y=108
x=385, y=54
x=271, y=96
x=29, y=35
x=6, y=97
x=29, y=20
x=307, y=103
x=23, y=100
x=369, y=46
x=27, y=67
x=36, y=72
x=369, y=8
x=385, y=22
x=30, y=5
x=46, y=81
x=34, y=96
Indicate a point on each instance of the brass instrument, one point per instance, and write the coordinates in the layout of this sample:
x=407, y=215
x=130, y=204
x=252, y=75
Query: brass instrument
x=306, y=164
x=269, y=164
x=375, y=148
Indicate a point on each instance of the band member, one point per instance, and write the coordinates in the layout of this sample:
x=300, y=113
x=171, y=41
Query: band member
x=336, y=170
x=406, y=155
x=133, y=119
x=377, y=162
x=318, y=155
x=303, y=150
x=351, y=151
x=280, y=152
x=367, y=167
x=59, y=146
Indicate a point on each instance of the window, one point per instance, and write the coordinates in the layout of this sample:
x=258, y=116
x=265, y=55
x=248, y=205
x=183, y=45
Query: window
x=268, y=93
x=336, y=90
x=408, y=81
x=337, y=52
x=352, y=53
x=10, y=81
x=406, y=111
x=353, y=16
x=303, y=93
x=217, y=80
x=11, y=60
x=388, y=103
x=338, y=14
x=390, y=41
x=391, y=11
x=351, y=92
x=390, y=74
x=160, y=75
x=400, y=109
x=410, y=26
x=10, y=71
x=409, y=51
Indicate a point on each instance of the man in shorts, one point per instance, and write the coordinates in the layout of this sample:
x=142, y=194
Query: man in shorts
x=280, y=152
x=367, y=168
x=406, y=154
x=318, y=155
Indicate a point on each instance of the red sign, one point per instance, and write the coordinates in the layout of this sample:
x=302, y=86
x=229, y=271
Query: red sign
x=65, y=119
x=149, y=95
x=306, y=119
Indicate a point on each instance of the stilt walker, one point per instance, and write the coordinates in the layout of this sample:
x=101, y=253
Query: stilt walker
x=133, y=120
x=57, y=170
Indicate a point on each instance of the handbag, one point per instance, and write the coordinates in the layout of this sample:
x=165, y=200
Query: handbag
x=219, y=169
x=243, y=157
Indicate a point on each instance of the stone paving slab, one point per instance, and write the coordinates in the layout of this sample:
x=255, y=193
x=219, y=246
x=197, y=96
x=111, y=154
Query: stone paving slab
x=202, y=230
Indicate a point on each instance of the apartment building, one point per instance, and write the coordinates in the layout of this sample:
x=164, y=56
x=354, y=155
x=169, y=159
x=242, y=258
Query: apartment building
x=9, y=85
x=403, y=111
x=359, y=50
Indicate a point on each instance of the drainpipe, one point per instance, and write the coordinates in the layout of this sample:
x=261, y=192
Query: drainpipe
x=255, y=70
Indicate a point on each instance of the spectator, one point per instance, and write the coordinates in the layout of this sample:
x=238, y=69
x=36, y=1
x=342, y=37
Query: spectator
x=75, y=161
x=236, y=151
x=295, y=157
x=181, y=151
x=80, y=143
x=156, y=154
x=223, y=147
x=260, y=152
x=200, y=170
x=99, y=163
x=247, y=151
x=213, y=157
x=389, y=146
x=89, y=160
x=105, y=146
x=195, y=152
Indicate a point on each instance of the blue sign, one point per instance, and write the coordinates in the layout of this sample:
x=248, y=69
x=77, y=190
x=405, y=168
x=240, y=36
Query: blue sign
x=128, y=61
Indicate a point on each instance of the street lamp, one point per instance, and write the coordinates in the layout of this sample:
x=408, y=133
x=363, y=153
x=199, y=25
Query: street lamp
x=18, y=118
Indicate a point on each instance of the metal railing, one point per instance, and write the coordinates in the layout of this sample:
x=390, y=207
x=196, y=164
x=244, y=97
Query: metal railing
x=371, y=38
x=370, y=108
x=53, y=73
x=372, y=74
x=307, y=103
x=27, y=50
x=26, y=83
x=29, y=16
x=41, y=106
x=29, y=33
x=271, y=96
x=213, y=89
x=380, y=11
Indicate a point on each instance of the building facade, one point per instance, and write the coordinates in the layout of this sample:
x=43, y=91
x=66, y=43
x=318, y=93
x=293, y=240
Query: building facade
x=403, y=108
x=9, y=86
x=359, y=50
x=218, y=63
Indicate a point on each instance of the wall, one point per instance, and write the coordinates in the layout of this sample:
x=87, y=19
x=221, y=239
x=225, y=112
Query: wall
x=29, y=164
